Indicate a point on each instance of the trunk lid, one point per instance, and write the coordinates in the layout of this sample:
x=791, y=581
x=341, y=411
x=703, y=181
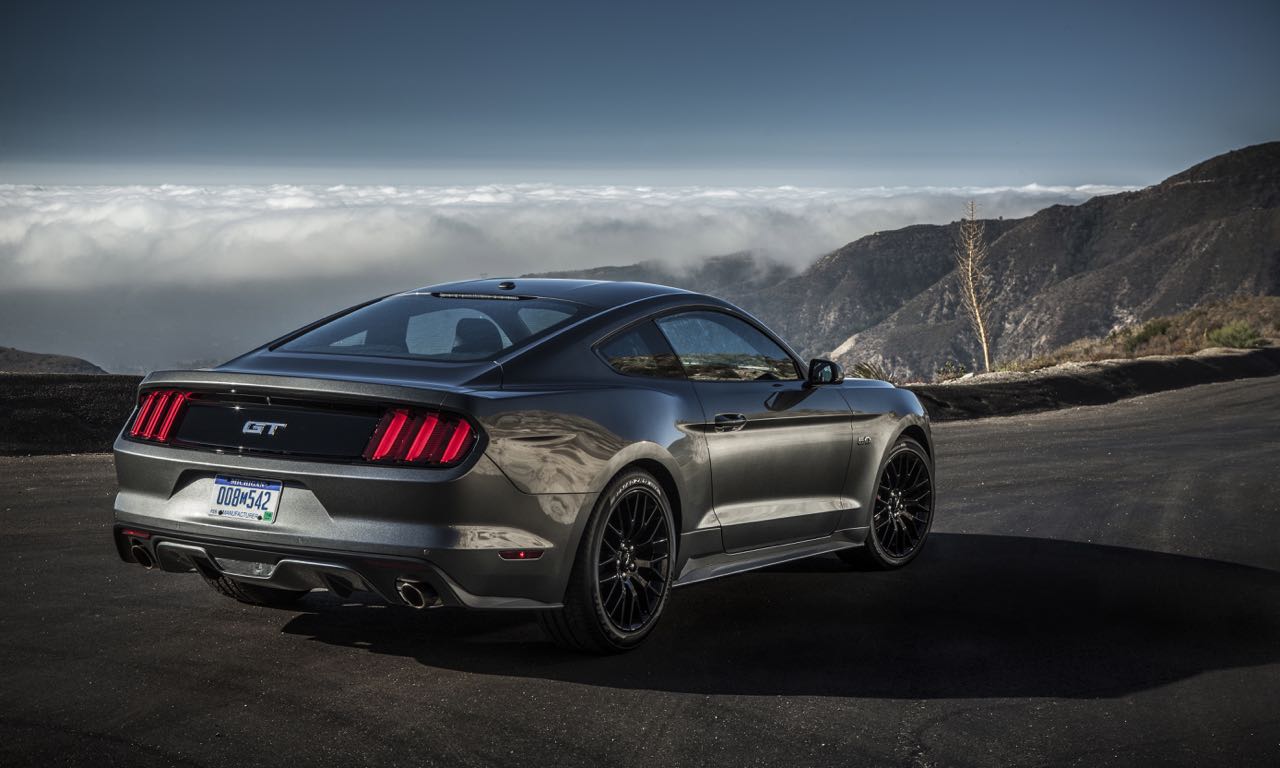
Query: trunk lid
x=323, y=407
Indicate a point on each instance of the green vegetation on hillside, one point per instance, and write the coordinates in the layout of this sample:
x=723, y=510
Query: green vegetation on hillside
x=1240, y=323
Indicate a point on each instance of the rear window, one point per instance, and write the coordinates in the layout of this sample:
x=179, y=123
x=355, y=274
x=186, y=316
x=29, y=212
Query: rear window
x=430, y=327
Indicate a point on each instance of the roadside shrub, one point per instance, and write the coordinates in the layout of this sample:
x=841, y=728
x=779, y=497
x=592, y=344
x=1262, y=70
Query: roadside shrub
x=949, y=371
x=1237, y=335
x=1241, y=321
x=1149, y=330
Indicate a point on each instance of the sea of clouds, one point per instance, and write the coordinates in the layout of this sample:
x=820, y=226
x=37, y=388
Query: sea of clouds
x=91, y=236
x=71, y=257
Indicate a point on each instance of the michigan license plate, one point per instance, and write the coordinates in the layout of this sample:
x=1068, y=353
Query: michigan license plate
x=244, y=499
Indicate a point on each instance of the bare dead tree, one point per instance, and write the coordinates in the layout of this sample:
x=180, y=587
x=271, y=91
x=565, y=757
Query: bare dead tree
x=974, y=276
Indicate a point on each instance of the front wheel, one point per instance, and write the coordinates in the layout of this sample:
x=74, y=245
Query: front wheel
x=622, y=573
x=903, y=510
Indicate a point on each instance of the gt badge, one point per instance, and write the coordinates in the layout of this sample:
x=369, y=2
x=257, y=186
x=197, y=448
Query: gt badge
x=267, y=428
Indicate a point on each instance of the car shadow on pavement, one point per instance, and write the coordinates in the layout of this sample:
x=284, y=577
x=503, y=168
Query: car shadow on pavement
x=975, y=616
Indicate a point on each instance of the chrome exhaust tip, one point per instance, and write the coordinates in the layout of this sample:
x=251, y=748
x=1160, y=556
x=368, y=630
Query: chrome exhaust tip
x=142, y=556
x=415, y=594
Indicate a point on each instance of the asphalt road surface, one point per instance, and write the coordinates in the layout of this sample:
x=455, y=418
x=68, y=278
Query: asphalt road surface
x=1102, y=588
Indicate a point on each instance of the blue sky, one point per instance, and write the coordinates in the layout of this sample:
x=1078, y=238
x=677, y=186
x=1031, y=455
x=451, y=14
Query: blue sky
x=810, y=93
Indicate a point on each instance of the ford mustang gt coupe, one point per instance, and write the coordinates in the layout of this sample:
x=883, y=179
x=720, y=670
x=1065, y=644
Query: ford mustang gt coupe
x=575, y=448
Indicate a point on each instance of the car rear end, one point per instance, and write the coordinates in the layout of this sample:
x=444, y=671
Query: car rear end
x=294, y=483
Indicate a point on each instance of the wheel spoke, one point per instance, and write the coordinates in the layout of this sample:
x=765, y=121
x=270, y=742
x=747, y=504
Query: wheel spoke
x=614, y=598
x=631, y=605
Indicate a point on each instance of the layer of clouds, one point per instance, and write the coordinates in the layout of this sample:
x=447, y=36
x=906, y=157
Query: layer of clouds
x=62, y=237
x=140, y=277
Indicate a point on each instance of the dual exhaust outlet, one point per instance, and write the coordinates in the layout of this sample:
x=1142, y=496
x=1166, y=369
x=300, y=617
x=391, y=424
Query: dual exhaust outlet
x=416, y=594
x=142, y=556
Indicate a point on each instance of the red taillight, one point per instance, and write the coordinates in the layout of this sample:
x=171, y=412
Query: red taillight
x=144, y=411
x=391, y=427
x=157, y=413
x=170, y=416
x=460, y=438
x=422, y=438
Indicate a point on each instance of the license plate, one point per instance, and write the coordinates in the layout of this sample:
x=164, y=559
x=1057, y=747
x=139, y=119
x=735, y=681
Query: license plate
x=244, y=499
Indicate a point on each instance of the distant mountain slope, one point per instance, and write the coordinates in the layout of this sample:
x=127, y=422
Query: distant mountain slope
x=1064, y=273
x=856, y=286
x=17, y=361
x=1070, y=272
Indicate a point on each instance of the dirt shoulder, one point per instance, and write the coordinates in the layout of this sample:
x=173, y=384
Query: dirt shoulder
x=1095, y=383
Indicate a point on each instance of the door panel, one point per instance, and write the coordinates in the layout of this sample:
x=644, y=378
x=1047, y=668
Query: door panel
x=778, y=475
x=779, y=448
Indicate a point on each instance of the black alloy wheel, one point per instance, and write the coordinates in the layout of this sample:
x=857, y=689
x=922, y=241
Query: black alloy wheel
x=903, y=510
x=623, y=570
x=633, y=563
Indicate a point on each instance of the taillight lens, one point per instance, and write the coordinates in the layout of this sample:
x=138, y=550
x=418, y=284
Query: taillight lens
x=424, y=438
x=158, y=412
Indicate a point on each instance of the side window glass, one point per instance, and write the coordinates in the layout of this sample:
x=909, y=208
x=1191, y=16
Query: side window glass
x=642, y=351
x=713, y=346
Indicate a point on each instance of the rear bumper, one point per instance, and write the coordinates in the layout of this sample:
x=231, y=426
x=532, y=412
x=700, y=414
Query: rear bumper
x=301, y=569
x=363, y=526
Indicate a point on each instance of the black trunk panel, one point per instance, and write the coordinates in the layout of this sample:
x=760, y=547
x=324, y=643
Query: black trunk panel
x=320, y=431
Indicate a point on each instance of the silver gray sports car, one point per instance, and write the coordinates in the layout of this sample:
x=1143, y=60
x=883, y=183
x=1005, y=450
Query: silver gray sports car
x=577, y=448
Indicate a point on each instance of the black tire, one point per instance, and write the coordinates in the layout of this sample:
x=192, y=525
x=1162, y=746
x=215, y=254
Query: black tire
x=902, y=513
x=253, y=594
x=622, y=572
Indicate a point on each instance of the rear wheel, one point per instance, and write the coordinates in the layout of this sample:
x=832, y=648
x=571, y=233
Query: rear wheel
x=903, y=510
x=252, y=593
x=622, y=573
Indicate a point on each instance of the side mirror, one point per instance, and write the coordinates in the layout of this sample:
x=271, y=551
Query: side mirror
x=823, y=371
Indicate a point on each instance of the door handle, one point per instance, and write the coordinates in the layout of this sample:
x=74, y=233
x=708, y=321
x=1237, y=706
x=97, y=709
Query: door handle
x=730, y=422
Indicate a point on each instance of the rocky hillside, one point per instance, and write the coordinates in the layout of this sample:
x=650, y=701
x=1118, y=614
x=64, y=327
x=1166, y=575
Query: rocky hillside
x=17, y=361
x=1062, y=274
x=1070, y=272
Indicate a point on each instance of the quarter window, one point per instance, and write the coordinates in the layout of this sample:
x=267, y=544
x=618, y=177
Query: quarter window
x=642, y=351
x=713, y=346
